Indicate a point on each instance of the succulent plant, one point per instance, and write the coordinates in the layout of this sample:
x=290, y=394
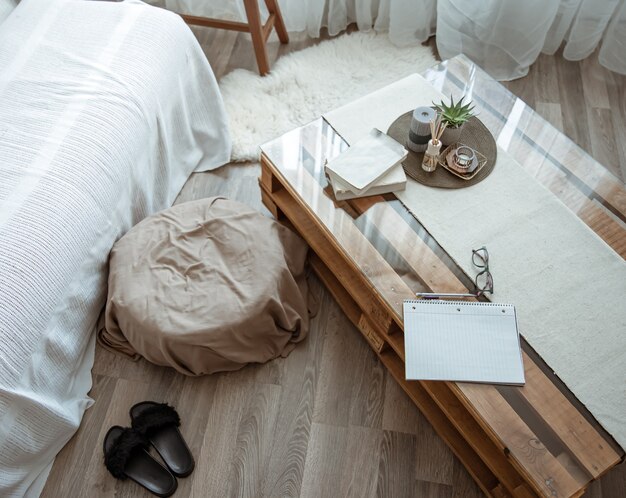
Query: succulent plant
x=454, y=114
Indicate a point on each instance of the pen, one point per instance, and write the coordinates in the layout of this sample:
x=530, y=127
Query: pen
x=436, y=295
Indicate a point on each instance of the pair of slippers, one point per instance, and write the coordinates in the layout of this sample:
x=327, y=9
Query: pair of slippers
x=126, y=449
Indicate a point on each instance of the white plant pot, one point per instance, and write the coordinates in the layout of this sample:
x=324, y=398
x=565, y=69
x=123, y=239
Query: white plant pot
x=452, y=135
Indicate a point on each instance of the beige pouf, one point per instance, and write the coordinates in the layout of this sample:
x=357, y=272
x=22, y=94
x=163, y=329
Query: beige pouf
x=206, y=286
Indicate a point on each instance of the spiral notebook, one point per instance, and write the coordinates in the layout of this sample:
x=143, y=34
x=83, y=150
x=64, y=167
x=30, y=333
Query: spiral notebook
x=462, y=341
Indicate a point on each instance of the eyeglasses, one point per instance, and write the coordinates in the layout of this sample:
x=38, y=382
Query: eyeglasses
x=483, y=280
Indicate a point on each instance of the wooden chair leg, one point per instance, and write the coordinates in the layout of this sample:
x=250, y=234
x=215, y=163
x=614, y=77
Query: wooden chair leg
x=256, y=31
x=279, y=24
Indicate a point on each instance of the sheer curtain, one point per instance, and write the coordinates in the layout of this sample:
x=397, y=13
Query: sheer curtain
x=506, y=36
x=503, y=36
x=311, y=15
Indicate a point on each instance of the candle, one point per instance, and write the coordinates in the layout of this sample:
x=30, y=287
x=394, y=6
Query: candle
x=419, y=133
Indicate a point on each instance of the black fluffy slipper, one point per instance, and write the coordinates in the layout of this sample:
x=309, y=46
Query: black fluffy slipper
x=159, y=423
x=125, y=456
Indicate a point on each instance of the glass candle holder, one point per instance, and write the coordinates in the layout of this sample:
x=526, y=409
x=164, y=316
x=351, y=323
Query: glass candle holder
x=464, y=156
x=431, y=156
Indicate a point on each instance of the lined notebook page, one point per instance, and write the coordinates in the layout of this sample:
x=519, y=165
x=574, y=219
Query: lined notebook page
x=462, y=341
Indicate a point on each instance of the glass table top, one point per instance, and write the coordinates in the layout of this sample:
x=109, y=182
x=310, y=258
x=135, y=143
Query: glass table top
x=401, y=243
x=398, y=257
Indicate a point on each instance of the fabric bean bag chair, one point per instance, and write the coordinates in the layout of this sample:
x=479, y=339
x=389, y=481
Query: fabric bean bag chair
x=206, y=286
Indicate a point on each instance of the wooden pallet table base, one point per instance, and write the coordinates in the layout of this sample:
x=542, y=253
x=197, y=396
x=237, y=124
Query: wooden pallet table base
x=348, y=288
x=523, y=466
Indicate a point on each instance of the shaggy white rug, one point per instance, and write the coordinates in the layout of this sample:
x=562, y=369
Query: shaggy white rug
x=305, y=84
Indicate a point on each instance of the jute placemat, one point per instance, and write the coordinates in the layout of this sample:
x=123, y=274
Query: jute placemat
x=475, y=134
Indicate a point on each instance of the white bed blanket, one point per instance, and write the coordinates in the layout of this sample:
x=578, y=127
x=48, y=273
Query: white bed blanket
x=105, y=110
x=6, y=6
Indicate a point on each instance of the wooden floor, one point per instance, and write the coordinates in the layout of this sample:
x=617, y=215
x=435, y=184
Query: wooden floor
x=327, y=421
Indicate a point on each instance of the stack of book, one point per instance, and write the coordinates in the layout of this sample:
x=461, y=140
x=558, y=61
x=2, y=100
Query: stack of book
x=372, y=166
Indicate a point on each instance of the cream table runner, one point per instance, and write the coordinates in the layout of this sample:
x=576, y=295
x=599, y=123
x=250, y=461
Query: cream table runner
x=569, y=287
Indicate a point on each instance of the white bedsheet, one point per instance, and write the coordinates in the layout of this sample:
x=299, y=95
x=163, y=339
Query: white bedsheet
x=105, y=110
x=6, y=7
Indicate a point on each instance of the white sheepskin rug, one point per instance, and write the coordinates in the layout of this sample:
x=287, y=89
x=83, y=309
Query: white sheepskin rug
x=305, y=84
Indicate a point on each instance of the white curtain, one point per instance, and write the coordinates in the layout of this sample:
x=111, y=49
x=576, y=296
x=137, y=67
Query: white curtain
x=503, y=36
x=311, y=15
x=506, y=36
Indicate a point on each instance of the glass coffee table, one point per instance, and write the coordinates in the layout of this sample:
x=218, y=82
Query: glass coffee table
x=371, y=254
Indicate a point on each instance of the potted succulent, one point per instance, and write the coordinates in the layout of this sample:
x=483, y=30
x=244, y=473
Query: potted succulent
x=455, y=116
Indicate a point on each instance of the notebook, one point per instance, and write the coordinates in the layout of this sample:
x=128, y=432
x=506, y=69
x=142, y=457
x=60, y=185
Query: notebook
x=367, y=160
x=392, y=181
x=462, y=341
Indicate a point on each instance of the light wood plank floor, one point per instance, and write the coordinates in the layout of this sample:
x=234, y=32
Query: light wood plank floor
x=327, y=421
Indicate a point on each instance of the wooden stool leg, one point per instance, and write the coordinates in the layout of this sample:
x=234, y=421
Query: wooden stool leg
x=279, y=24
x=258, y=40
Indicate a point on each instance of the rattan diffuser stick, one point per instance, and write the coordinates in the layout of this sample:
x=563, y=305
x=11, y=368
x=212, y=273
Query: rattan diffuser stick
x=437, y=126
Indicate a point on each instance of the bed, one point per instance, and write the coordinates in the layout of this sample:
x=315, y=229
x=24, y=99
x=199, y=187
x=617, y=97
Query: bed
x=106, y=108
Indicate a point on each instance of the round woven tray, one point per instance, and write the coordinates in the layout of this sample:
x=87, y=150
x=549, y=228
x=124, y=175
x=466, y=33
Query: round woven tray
x=475, y=134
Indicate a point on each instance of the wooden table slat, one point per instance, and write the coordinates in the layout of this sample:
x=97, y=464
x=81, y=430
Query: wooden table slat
x=542, y=468
x=580, y=437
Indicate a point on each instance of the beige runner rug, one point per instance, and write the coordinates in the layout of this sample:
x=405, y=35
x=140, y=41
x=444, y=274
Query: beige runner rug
x=568, y=286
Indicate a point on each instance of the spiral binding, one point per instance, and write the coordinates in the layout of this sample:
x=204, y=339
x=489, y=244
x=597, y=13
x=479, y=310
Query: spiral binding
x=464, y=303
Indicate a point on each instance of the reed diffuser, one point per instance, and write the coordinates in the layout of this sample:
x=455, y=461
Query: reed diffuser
x=431, y=156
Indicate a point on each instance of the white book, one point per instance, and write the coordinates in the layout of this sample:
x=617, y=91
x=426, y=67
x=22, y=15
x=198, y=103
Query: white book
x=367, y=160
x=462, y=341
x=392, y=181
